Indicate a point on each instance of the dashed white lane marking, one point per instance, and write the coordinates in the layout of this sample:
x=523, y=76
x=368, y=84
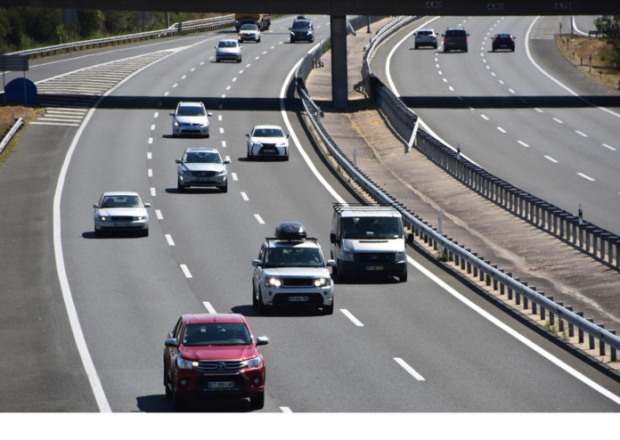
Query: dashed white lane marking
x=609, y=147
x=511, y=91
x=484, y=117
x=192, y=69
x=186, y=271
x=219, y=117
x=353, y=319
x=559, y=121
x=158, y=214
x=501, y=129
x=184, y=76
x=260, y=220
x=234, y=176
x=223, y=96
x=523, y=144
x=166, y=93
x=149, y=172
x=451, y=88
x=586, y=177
x=152, y=127
x=245, y=196
x=174, y=86
x=150, y=141
x=580, y=133
x=228, y=88
x=247, y=65
x=156, y=115
x=539, y=110
x=221, y=130
x=551, y=159
x=169, y=240
x=241, y=71
x=153, y=192
x=286, y=409
x=409, y=370
x=445, y=80
x=149, y=155
x=227, y=158
x=209, y=307
x=493, y=74
x=501, y=82
x=224, y=144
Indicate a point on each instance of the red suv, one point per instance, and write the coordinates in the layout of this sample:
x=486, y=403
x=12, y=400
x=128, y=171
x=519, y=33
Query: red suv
x=213, y=356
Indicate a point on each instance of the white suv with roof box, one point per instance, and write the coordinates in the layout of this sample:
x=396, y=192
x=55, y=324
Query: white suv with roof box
x=368, y=240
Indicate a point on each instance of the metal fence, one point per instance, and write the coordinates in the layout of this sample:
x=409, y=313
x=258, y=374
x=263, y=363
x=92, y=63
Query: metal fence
x=527, y=296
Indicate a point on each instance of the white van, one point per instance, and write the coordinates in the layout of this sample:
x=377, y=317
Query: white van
x=368, y=240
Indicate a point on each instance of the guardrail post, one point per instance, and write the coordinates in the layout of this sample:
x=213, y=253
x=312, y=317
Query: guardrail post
x=468, y=262
x=560, y=320
x=517, y=295
x=482, y=274
x=580, y=332
x=589, y=230
x=613, y=349
x=462, y=259
x=551, y=314
x=596, y=234
x=618, y=253
x=601, y=344
x=501, y=285
x=526, y=303
x=475, y=268
x=534, y=307
x=543, y=311
x=510, y=288
x=590, y=337
x=571, y=327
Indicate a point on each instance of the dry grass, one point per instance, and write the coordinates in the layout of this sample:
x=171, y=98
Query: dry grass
x=578, y=51
x=6, y=119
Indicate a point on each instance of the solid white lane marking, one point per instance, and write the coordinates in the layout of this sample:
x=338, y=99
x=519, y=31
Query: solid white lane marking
x=523, y=144
x=234, y=176
x=169, y=239
x=244, y=196
x=153, y=192
x=585, y=176
x=408, y=369
x=551, y=159
x=286, y=409
x=353, y=319
x=209, y=307
x=186, y=271
x=158, y=214
x=581, y=134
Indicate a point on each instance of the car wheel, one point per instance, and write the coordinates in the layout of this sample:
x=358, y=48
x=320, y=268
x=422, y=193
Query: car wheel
x=217, y=60
x=145, y=232
x=239, y=60
x=446, y=50
x=329, y=310
x=262, y=308
x=167, y=384
x=254, y=299
x=249, y=156
x=98, y=233
x=180, y=188
x=403, y=277
x=335, y=271
x=257, y=401
x=292, y=41
x=224, y=189
x=178, y=404
x=416, y=46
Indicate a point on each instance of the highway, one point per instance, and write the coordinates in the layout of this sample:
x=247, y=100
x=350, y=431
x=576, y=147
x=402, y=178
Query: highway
x=428, y=345
x=527, y=117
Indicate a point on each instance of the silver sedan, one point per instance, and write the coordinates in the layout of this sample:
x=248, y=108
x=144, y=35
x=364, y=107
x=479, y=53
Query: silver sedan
x=121, y=211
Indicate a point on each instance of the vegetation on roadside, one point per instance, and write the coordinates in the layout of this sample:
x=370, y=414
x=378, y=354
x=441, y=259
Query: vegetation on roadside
x=599, y=58
x=7, y=117
x=30, y=28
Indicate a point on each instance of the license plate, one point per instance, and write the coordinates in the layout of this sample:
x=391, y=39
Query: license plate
x=122, y=224
x=203, y=179
x=374, y=267
x=298, y=298
x=220, y=385
x=269, y=150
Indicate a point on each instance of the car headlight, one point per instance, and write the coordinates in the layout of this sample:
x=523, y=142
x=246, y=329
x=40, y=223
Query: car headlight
x=185, y=171
x=322, y=282
x=256, y=144
x=400, y=256
x=346, y=255
x=140, y=217
x=281, y=144
x=103, y=218
x=186, y=364
x=221, y=173
x=273, y=282
x=252, y=363
x=175, y=123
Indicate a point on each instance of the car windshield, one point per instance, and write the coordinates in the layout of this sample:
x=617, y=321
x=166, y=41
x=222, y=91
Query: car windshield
x=425, y=33
x=301, y=25
x=268, y=132
x=249, y=27
x=202, y=157
x=227, y=43
x=371, y=227
x=120, y=202
x=455, y=33
x=190, y=110
x=216, y=334
x=293, y=257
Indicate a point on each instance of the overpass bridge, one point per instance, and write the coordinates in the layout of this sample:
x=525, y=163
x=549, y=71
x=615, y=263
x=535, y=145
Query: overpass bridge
x=339, y=9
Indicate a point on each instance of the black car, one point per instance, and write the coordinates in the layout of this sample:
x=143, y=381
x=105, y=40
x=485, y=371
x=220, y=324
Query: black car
x=302, y=31
x=455, y=39
x=503, y=41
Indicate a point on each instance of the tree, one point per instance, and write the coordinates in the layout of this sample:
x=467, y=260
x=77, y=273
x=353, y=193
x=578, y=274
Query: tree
x=609, y=25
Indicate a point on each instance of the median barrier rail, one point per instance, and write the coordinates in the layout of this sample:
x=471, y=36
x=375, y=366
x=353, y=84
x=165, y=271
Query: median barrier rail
x=522, y=204
x=11, y=132
x=176, y=29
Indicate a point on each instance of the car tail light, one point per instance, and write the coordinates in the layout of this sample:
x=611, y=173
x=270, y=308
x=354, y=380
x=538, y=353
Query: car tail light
x=445, y=41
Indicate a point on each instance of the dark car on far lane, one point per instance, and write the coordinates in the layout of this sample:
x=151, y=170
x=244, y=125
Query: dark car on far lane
x=504, y=41
x=455, y=39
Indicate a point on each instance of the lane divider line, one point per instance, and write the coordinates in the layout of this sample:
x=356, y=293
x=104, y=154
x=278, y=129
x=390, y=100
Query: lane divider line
x=409, y=370
x=353, y=319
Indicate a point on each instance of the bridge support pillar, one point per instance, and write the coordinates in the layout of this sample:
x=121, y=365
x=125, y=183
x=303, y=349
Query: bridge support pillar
x=340, y=88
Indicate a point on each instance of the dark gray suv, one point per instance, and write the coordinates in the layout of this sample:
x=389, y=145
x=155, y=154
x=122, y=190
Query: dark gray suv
x=455, y=39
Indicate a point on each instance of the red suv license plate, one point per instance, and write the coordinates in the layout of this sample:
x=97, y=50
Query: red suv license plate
x=220, y=385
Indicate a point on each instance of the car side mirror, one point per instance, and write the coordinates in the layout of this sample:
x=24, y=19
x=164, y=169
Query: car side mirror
x=172, y=343
x=171, y=113
x=247, y=135
x=262, y=340
x=331, y=263
x=332, y=238
x=177, y=161
x=95, y=205
x=290, y=29
x=209, y=114
x=226, y=161
x=147, y=205
x=287, y=135
x=256, y=263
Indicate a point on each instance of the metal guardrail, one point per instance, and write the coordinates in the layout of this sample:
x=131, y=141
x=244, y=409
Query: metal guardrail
x=5, y=141
x=174, y=30
x=467, y=260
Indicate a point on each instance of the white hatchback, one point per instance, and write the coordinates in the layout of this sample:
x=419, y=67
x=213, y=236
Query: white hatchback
x=190, y=118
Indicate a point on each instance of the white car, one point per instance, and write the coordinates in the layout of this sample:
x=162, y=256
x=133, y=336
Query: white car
x=190, y=118
x=202, y=167
x=228, y=50
x=425, y=37
x=249, y=32
x=267, y=141
x=121, y=211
